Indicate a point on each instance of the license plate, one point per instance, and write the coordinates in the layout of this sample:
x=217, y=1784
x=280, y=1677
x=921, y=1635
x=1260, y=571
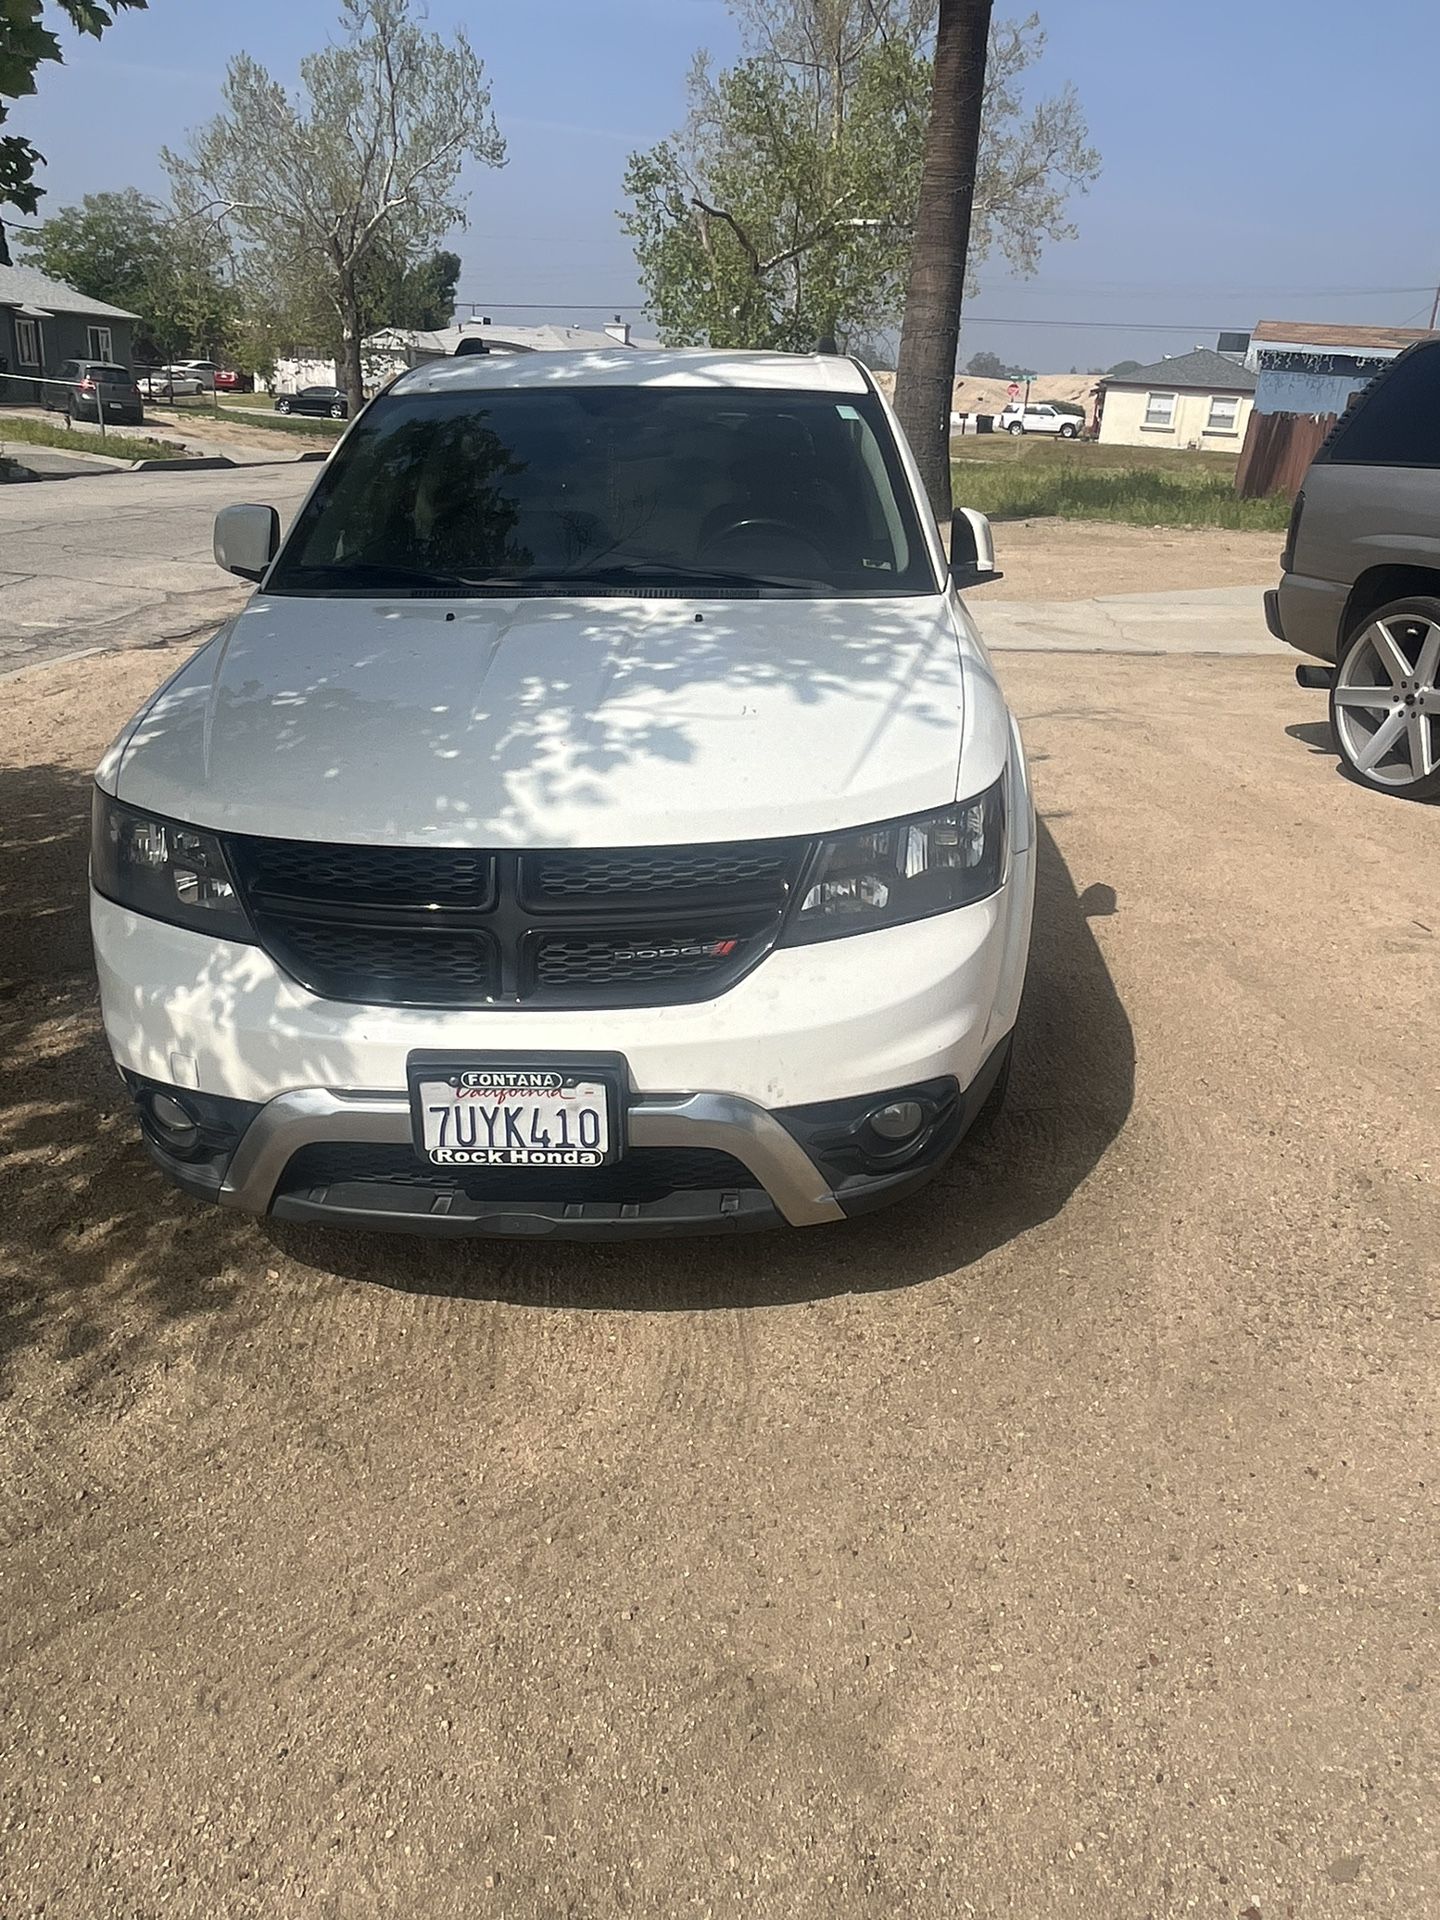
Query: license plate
x=504, y=1116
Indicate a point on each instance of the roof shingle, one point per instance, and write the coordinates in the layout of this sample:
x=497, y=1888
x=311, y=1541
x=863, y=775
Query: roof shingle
x=1204, y=368
x=24, y=287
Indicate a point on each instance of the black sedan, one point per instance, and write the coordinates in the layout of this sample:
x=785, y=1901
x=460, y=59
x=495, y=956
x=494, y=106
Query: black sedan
x=330, y=401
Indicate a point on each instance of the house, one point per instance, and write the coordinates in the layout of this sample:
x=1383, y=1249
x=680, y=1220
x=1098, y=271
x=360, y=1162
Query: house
x=1199, y=399
x=43, y=322
x=1313, y=367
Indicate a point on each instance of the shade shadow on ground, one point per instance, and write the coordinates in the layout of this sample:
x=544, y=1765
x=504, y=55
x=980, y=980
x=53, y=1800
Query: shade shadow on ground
x=96, y=1240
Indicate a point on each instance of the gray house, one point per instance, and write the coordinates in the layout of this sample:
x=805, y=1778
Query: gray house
x=43, y=322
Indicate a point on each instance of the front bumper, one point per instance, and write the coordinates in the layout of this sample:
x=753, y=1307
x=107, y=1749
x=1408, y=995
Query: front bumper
x=803, y=1165
x=770, y=1073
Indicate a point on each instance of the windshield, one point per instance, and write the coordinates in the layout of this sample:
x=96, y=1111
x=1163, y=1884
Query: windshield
x=548, y=489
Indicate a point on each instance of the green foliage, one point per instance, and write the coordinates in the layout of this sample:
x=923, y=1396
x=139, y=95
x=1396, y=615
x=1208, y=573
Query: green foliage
x=1122, y=367
x=315, y=192
x=1195, y=492
x=26, y=43
x=988, y=366
x=114, y=446
x=781, y=213
x=128, y=250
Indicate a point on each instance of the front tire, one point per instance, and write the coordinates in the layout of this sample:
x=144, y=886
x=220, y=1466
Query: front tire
x=1385, y=700
x=1016, y=426
x=1068, y=432
x=337, y=412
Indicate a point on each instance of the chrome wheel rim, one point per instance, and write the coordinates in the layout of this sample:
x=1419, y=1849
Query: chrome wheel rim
x=1387, y=708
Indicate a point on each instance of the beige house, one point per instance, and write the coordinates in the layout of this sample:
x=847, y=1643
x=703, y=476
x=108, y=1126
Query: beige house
x=1199, y=399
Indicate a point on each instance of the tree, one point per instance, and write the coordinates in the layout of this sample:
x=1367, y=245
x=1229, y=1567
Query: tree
x=125, y=248
x=987, y=366
x=782, y=212
x=1122, y=367
x=939, y=257
x=364, y=166
x=26, y=43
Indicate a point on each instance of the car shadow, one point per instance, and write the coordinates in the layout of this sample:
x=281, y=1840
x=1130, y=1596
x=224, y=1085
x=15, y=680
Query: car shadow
x=97, y=1247
x=1315, y=734
x=1071, y=1090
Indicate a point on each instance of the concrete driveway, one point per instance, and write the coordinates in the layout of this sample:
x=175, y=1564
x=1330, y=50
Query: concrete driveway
x=1060, y=1547
x=122, y=559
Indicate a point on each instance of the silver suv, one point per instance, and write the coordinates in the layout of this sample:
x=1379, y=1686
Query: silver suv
x=1361, y=584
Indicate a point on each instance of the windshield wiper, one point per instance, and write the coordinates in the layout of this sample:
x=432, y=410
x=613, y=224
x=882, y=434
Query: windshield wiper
x=665, y=572
x=374, y=574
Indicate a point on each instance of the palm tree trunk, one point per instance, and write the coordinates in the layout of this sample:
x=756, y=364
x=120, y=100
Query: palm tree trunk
x=935, y=289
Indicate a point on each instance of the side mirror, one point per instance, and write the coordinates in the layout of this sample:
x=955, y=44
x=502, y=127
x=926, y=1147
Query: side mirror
x=246, y=540
x=972, y=549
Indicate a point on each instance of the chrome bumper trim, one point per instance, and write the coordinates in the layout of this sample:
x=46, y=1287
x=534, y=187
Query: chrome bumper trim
x=720, y=1120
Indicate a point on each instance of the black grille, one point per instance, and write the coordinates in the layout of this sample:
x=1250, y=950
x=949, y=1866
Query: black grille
x=643, y=1175
x=661, y=875
x=422, y=926
x=605, y=960
x=418, y=877
x=400, y=965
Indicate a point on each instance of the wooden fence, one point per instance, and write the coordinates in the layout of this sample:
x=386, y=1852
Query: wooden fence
x=1277, y=451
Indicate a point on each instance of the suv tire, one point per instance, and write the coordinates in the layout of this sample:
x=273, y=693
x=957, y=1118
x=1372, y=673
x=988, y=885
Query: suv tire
x=1068, y=431
x=1016, y=426
x=1390, y=740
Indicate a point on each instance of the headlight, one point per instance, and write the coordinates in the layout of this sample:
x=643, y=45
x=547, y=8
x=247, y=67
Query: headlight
x=905, y=870
x=162, y=869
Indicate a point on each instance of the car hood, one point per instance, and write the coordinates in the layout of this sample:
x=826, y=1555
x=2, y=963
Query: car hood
x=545, y=722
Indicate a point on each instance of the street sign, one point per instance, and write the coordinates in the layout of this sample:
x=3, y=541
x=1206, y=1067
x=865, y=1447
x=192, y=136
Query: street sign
x=1013, y=390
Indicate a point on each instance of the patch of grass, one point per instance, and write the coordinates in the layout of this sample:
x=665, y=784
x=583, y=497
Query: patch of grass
x=1037, y=452
x=1137, y=496
x=310, y=423
x=117, y=446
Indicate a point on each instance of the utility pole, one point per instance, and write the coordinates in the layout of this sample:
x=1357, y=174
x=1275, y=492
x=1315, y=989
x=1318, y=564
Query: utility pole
x=1434, y=308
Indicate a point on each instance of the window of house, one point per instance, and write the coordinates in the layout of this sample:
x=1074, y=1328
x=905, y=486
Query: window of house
x=99, y=343
x=1224, y=414
x=1159, y=410
x=27, y=342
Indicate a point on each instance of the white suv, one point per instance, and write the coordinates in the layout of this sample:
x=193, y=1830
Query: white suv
x=603, y=819
x=1039, y=418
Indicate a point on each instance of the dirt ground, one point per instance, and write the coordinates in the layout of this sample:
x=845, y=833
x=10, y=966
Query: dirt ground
x=1061, y=1547
x=1077, y=559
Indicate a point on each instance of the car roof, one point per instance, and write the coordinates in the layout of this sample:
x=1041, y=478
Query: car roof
x=678, y=367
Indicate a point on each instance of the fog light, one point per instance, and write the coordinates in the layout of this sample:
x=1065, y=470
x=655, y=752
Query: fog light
x=899, y=1120
x=174, y=1125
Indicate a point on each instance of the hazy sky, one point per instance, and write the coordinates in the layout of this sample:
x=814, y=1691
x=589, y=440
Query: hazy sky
x=1267, y=159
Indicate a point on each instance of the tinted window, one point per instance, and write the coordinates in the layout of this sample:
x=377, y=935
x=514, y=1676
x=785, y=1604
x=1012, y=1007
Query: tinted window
x=613, y=484
x=69, y=370
x=1396, y=422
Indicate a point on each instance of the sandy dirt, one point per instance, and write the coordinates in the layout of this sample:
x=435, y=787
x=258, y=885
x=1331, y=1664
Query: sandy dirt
x=1058, y=1548
x=1077, y=559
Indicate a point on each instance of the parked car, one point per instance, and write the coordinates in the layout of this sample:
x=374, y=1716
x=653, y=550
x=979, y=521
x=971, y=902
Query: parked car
x=1360, y=584
x=1039, y=418
x=605, y=820
x=171, y=383
x=323, y=400
x=91, y=384
x=232, y=380
x=203, y=370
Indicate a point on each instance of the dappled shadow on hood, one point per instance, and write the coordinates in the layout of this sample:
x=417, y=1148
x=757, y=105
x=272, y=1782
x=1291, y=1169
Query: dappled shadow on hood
x=1070, y=1094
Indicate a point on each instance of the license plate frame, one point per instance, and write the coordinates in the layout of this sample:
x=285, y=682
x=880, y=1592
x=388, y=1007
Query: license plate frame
x=608, y=1070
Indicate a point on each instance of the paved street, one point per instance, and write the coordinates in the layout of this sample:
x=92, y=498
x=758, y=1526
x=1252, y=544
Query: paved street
x=1058, y=1547
x=121, y=559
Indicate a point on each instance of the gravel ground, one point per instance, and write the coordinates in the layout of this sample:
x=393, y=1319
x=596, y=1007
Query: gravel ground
x=1060, y=1546
x=1077, y=559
